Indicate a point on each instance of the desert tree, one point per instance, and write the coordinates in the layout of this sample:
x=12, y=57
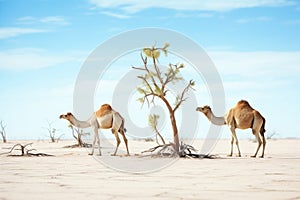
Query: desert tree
x=52, y=132
x=3, y=132
x=155, y=83
x=271, y=135
x=153, y=120
x=77, y=133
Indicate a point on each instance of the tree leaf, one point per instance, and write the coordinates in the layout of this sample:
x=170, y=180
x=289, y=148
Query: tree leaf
x=153, y=120
x=155, y=54
x=157, y=90
x=141, y=100
x=166, y=46
x=140, y=90
x=147, y=52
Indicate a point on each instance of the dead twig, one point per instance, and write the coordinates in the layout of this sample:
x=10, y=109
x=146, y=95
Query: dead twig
x=25, y=151
x=3, y=132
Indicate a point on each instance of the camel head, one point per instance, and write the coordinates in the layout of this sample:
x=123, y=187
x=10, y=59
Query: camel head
x=205, y=110
x=69, y=116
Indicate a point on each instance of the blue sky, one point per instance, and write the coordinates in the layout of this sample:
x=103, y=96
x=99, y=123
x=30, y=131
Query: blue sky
x=255, y=46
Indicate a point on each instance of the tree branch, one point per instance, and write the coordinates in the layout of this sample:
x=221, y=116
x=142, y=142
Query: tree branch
x=181, y=98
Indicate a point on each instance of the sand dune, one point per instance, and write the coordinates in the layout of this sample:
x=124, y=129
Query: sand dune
x=72, y=174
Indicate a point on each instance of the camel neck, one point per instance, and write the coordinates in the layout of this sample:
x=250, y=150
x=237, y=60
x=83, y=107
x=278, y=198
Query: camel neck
x=216, y=120
x=80, y=124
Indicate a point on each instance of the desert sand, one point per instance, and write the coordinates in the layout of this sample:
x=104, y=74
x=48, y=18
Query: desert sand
x=72, y=174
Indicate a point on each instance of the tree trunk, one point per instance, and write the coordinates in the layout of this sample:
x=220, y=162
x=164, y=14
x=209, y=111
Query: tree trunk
x=173, y=122
x=175, y=131
x=3, y=138
x=80, y=143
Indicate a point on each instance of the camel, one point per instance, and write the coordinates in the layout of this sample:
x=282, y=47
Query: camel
x=104, y=118
x=241, y=116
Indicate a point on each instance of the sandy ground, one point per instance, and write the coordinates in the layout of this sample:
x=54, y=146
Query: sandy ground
x=72, y=174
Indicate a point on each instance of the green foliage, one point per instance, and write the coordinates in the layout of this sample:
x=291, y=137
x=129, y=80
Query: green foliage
x=141, y=100
x=141, y=91
x=155, y=52
x=154, y=81
x=157, y=91
x=151, y=53
x=153, y=120
x=164, y=49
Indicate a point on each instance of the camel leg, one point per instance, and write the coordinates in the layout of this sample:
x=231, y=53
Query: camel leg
x=232, y=141
x=258, y=141
x=233, y=134
x=94, y=141
x=118, y=141
x=125, y=140
x=98, y=141
x=264, y=146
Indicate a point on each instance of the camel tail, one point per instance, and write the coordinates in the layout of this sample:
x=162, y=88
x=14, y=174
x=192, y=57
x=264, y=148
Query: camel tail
x=262, y=128
x=123, y=127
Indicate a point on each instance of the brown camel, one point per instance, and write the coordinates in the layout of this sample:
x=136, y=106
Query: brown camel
x=104, y=118
x=241, y=116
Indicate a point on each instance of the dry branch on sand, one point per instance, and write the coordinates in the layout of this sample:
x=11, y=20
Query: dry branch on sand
x=25, y=151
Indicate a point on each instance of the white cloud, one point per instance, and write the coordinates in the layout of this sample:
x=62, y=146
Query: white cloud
x=29, y=58
x=54, y=20
x=8, y=32
x=26, y=19
x=199, y=15
x=57, y=20
x=116, y=15
x=134, y=6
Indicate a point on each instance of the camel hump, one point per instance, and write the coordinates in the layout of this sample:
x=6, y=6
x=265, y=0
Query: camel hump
x=103, y=110
x=244, y=104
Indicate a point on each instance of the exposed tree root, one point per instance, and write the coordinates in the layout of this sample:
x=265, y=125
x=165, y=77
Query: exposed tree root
x=168, y=150
x=86, y=145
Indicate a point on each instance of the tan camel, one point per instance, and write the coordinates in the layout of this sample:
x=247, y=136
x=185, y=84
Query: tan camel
x=104, y=118
x=241, y=116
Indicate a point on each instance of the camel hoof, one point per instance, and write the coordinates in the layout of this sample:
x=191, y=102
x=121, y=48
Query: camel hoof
x=90, y=154
x=113, y=154
x=261, y=156
x=127, y=154
x=253, y=156
x=239, y=155
x=229, y=155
